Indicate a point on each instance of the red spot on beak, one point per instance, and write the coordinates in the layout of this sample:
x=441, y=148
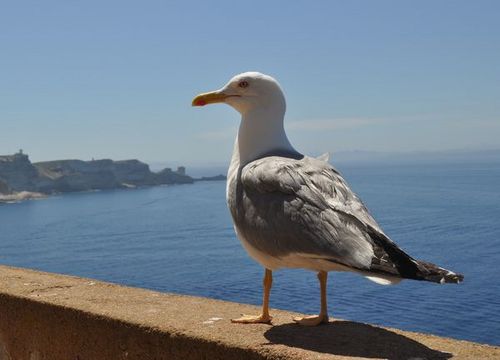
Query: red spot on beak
x=201, y=102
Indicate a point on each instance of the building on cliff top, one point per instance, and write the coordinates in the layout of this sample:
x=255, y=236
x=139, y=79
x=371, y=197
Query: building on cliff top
x=16, y=157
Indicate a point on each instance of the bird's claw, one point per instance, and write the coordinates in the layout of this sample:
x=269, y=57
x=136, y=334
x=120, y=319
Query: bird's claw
x=253, y=319
x=311, y=320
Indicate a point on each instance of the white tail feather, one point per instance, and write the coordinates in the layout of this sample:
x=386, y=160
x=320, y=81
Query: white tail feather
x=383, y=280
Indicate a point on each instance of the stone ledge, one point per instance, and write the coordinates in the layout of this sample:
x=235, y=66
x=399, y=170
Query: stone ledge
x=50, y=316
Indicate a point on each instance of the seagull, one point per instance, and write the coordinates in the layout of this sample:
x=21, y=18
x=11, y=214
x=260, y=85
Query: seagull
x=294, y=211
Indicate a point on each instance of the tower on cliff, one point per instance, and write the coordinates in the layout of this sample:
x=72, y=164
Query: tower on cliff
x=181, y=170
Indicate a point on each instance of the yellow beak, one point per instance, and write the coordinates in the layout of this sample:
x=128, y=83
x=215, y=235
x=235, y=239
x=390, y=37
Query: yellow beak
x=212, y=97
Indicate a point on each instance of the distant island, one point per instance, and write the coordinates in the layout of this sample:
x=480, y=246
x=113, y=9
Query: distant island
x=21, y=179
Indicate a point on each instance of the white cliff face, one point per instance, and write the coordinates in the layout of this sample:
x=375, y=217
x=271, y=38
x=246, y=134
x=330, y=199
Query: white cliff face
x=18, y=172
x=4, y=188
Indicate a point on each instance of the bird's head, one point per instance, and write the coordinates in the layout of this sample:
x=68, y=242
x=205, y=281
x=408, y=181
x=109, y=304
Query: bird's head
x=246, y=92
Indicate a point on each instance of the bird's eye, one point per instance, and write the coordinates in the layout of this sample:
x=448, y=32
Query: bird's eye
x=243, y=84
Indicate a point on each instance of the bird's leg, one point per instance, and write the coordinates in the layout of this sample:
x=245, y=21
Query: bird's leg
x=314, y=320
x=264, y=317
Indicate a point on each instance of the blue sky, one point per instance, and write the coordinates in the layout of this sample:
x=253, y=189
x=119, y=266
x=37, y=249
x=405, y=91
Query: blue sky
x=114, y=79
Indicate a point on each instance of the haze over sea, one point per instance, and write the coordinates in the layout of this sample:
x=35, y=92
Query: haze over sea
x=180, y=239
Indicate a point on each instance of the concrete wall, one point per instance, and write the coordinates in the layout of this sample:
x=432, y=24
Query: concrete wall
x=50, y=316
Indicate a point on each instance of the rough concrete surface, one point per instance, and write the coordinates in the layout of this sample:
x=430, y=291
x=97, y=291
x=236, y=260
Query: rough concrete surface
x=50, y=316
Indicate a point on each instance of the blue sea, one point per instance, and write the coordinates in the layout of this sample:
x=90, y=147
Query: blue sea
x=180, y=239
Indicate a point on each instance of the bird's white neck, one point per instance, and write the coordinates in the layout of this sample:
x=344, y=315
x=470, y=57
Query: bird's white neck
x=261, y=131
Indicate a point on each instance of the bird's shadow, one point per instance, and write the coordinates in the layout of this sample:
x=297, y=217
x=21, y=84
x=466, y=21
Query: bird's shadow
x=352, y=339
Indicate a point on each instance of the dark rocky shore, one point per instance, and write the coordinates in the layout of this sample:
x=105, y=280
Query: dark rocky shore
x=21, y=179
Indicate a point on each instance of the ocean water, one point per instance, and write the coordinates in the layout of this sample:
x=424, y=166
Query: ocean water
x=180, y=239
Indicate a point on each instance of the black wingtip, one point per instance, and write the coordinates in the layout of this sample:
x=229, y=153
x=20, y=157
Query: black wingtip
x=434, y=273
x=452, y=278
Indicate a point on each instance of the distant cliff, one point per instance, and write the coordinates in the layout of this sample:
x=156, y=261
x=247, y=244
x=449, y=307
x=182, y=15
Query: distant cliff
x=4, y=188
x=17, y=174
x=219, y=177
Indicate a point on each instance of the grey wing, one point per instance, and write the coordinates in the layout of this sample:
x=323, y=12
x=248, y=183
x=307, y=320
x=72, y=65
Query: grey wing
x=304, y=206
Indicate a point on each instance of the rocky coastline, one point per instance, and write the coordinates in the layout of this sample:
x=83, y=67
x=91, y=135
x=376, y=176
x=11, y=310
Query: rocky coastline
x=20, y=179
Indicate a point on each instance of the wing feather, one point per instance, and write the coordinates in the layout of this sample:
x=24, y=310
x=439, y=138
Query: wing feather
x=304, y=206
x=312, y=209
